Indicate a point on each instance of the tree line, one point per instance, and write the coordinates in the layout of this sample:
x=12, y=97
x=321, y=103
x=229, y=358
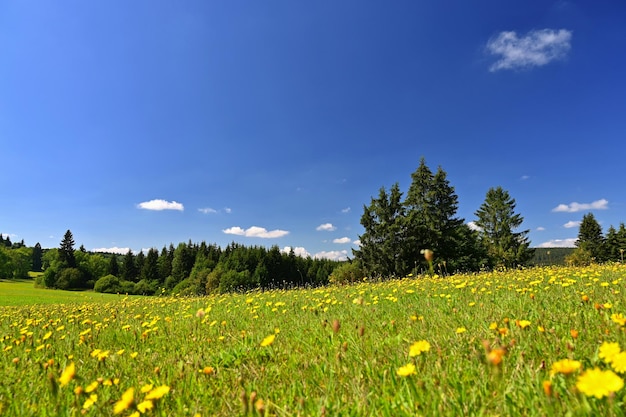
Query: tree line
x=399, y=231
x=188, y=269
x=592, y=245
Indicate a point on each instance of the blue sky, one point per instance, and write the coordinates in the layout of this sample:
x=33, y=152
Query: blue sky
x=140, y=124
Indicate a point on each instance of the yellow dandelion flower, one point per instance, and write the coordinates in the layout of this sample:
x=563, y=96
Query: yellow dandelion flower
x=565, y=366
x=268, y=340
x=127, y=400
x=493, y=326
x=406, y=370
x=522, y=323
x=418, y=347
x=47, y=336
x=460, y=330
x=608, y=350
x=146, y=388
x=92, y=387
x=68, y=374
x=90, y=401
x=144, y=406
x=618, y=362
x=619, y=319
x=158, y=392
x=598, y=383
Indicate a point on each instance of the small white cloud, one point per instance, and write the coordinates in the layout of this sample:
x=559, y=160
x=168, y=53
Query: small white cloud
x=540, y=229
x=524, y=177
x=346, y=210
x=473, y=226
x=207, y=210
x=559, y=243
x=114, y=249
x=327, y=227
x=159, y=205
x=256, y=231
x=342, y=240
x=357, y=242
x=298, y=250
x=335, y=255
x=571, y=224
x=535, y=49
x=601, y=204
x=228, y=210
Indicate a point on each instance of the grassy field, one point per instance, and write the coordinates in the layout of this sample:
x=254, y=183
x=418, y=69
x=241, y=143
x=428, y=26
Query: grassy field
x=544, y=342
x=23, y=292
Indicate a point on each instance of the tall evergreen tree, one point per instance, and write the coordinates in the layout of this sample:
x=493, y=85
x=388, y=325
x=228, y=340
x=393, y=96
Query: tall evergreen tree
x=382, y=242
x=150, y=269
x=590, y=238
x=37, y=258
x=129, y=268
x=66, y=250
x=113, y=267
x=497, y=221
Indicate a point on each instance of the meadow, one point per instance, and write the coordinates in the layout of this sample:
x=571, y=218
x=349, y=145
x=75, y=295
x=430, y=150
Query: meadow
x=542, y=341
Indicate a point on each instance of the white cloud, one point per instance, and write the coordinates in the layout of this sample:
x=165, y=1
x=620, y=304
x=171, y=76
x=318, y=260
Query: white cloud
x=571, y=224
x=601, y=204
x=524, y=177
x=160, y=205
x=328, y=227
x=114, y=249
x=342, y=240
x=335, y=255
x=228, y=210
x=535, y=49
x=298, y=250
x=473, y=226
x=255, y=231
x=207, y=210
x=559, y=243
x=357, y=242
x=346, y=210
x=540, y=229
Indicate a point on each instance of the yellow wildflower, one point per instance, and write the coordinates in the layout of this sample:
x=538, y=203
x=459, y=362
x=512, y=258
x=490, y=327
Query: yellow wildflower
x=608, y=350
x=618, y=362
x=418, y=347
x=68, y=374
x=268, y=340
x=460, y=330
x=406, y=370
x=90, y=401
x=598, y=383
x=565, y=366
x=158, y=392
x=619, y=319
x=145, y=406
x=127, y=400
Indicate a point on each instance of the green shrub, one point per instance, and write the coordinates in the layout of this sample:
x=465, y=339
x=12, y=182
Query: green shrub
x=347, y=273
x=108, y=284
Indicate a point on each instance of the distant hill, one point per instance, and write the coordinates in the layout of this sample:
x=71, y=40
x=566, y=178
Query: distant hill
x=550, y=256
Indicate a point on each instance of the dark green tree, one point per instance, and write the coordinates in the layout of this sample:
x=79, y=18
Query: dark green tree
x=150, y=268
x=382, y=242
x=498, y=221
x=590, y=238
x=114, y=266
x=66, y=250
x=129, y=267
x=37, y=261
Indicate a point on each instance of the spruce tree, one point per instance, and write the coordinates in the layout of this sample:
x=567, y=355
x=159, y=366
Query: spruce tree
x=66, y=250
x=498, y=221
x=37, y=261
x=382, y=242
x=590, y=238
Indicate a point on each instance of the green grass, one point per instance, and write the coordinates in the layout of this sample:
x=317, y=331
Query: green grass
x=23, y=292
x=336, y=350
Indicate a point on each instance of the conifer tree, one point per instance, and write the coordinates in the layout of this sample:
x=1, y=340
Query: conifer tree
x=590, y=238
x=66, y=250
x=498, y=221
